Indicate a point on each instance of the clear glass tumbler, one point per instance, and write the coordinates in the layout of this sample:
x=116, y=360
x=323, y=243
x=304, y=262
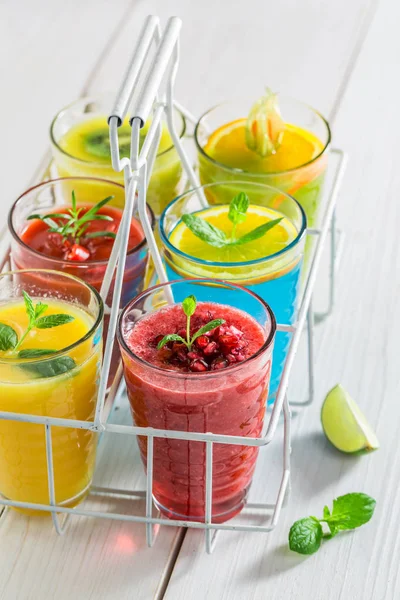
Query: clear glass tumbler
x=62, y=384
x=275, y=277
x=228, y=401
x=73, y=158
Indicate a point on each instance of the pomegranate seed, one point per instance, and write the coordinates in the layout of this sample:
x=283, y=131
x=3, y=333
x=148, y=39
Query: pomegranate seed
x=78, y=253
x=235, y=331
x=239, y=357
x=211, y=348
x=198, y=366
x=193, y=355
x=231, y=358
x=219, y=363
x=202, y=341
x=157, y=340
x=229, y=340
x=182, y=333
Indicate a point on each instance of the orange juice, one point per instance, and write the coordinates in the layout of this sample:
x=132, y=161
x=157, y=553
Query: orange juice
x=64, y=385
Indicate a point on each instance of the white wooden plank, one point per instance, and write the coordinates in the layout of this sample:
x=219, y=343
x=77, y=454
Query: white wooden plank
x=96, y=558
x=52, y=56
x=358, y=347
x=49, y=49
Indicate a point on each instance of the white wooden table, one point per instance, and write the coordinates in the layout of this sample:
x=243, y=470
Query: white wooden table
x=343, y=57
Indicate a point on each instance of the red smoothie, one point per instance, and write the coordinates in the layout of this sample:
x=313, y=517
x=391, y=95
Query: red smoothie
x=220, y=386
x=34, y=246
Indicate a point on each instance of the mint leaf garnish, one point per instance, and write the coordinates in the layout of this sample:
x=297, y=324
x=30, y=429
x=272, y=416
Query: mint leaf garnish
x=53, y=321
x=171, y=337
x=189, y=307
x=29, y=307
x=238, y=208
x=237, y=214
x=349, y=511
x=8, y=337
x=206, y=328
x=305, y=536
x=258, y=232
x=35, y=352
x=50, y=368
x=205, y=231
x=36, y=320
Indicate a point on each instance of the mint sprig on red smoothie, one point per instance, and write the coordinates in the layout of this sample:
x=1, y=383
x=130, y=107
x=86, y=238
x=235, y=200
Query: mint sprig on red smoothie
x=214, y=345
x=71, y=228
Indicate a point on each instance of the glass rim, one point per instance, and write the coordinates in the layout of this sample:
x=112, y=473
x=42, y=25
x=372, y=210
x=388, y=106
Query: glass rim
x=252, y=262
x=92, y=162
x=81, y=340
x=270, y=173
x=210, y=374
x=88, y=264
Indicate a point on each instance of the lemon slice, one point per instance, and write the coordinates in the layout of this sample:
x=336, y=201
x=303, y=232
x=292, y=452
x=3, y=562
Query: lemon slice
x=344, y=424
x=275, y=240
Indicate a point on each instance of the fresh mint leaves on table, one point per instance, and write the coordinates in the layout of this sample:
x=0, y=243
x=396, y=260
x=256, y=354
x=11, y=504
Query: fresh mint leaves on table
x=348, y=512
x=9, y=340
x=237, y=214
x=76, y=223
x=189, y=306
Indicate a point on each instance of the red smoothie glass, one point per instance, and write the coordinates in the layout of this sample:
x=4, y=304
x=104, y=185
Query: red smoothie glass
x=32, y=247
x=227, y=398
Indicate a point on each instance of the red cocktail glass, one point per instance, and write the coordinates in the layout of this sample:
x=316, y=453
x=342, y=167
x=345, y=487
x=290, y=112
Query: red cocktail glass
x=28, y=245
x=228, y=401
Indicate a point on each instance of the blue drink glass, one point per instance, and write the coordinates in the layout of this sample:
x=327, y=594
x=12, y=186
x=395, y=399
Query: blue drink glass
x=275, y=278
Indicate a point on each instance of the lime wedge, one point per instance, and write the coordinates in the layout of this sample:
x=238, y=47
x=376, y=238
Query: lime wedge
x=344, y=424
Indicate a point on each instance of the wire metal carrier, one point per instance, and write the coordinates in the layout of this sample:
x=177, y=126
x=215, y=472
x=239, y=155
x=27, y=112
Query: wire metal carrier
x=150, y=100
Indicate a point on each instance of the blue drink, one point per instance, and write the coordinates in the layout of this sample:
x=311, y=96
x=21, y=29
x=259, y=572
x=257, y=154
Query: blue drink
x=274, y=277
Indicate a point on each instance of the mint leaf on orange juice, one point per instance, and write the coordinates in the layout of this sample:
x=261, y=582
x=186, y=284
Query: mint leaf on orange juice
x=234, y=230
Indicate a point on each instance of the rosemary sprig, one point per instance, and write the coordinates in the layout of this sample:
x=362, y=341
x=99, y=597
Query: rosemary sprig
x=76, y=221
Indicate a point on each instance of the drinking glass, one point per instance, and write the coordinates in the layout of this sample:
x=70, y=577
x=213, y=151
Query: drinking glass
x=166, y=178
x=229, y=401
x=36, y=387
x=275, y=277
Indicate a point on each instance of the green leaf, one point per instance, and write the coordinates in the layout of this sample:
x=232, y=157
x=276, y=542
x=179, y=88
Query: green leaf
x=351, y=511
x=40, y=309
x=258, y=232
x=327, y=512
x=171, y=337
x=189, y=305
x=205, y=231
x=97, y=234
x=73, y=201
x=50, y=368
x=29, y=307
x=208, y=327
x=34, y=352
x=8, y=337
x=53, y=321
x=92, y=211
x=305, y=536
x=238, y=208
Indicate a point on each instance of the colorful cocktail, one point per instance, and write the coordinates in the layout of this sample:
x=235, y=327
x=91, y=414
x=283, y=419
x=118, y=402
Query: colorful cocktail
x=80, y=141
x=36, y=245
x=289, y=153
x=50, y=357
x=268, y=264
x=196, y=387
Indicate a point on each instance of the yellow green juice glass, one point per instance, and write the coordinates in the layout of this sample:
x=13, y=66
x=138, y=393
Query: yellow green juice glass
x=50, y=358
x=80, y=144
x=297, y=167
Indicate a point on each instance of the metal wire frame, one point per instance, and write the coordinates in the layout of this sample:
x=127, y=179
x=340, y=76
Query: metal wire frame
x=135, y=171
